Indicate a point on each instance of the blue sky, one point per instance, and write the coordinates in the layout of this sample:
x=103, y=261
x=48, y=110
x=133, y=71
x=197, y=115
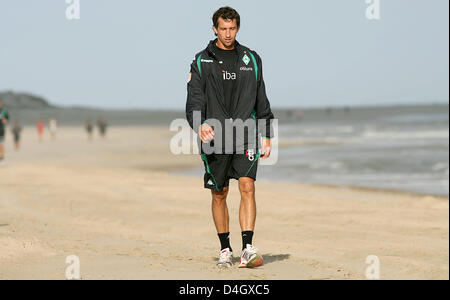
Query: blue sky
x=136, y=53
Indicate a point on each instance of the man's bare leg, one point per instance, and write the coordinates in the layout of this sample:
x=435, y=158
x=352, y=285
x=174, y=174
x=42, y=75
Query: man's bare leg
x=220, y=210
x=247, y=210
x=221, y=220
x=250, y=258
x=2, y=151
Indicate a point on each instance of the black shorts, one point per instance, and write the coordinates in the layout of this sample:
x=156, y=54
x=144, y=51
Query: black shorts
x=220, y=168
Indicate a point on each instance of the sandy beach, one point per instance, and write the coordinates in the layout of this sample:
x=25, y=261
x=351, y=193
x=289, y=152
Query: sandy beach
x=116, y=205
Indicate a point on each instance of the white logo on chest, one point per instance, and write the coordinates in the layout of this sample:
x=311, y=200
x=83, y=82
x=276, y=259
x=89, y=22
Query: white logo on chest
x=246, y=59
x=228, y=76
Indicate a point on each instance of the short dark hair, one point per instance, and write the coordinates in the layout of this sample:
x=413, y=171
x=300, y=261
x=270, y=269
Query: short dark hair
x=226, y=13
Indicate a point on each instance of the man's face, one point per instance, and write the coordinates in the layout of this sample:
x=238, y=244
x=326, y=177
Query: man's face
x=226, y=32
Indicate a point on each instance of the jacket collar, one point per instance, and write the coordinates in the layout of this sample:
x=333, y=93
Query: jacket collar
x=211, y=44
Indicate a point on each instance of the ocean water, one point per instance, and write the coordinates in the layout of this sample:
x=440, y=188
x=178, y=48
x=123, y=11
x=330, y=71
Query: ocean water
x=401, y=148
x=396, y=147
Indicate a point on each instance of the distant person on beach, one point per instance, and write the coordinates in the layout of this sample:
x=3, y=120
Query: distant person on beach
x=16, y=131
x=298, y=115
x=53, y=127
x=102, y=125
x=89, y=128
x=228, y=64
x=40, y=129
x=4, y=117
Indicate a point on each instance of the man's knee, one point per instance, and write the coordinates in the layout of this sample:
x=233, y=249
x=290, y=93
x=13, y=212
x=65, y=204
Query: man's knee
x=246, y=185
x=220, y=196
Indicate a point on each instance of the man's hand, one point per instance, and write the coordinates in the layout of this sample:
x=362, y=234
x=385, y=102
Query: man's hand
x=266, y=148
x=4, y=121
x=206, y=133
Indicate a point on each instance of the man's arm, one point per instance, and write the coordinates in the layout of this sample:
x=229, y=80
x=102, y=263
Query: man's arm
x=262, y=106
x=196, y=99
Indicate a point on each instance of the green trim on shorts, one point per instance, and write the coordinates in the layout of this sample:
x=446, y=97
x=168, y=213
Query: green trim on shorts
x=209, y=171
x=249, y=169
x=256, y=140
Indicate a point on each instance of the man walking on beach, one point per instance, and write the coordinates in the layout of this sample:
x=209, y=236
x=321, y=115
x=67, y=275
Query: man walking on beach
x=4, y=117
x=226, y=86
x=16, y=131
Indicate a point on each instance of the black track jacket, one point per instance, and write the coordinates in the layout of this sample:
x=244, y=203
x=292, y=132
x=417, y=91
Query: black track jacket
x=205, y=91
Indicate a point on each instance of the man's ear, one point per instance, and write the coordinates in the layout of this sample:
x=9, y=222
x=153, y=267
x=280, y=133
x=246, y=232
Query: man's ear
x=215, y=30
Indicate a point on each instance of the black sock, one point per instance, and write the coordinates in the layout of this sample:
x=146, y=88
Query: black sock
x=247, y=237
x=224, y=240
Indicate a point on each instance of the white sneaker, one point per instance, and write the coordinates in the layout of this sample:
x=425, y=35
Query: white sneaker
x=250, y=258
x=225, y=258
